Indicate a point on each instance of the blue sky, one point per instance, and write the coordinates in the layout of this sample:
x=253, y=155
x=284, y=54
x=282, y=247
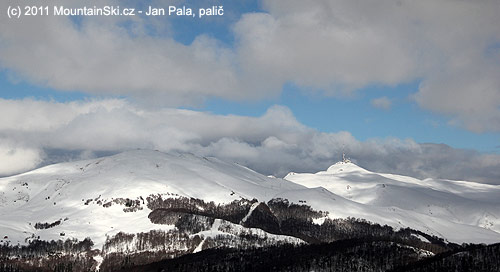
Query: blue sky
x=403, y=120
x=392, y=75
x=327, y=114
x=355, y=114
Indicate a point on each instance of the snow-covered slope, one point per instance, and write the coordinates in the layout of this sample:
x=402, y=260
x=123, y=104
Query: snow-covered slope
x=73, y=195
x=61, y=191
x=441, y=205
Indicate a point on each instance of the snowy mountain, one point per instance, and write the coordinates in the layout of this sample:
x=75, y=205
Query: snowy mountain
x=128, y=202
x=460, y=211
x=69, y=192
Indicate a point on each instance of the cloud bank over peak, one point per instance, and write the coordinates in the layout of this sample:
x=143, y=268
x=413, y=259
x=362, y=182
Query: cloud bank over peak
x=331, y=46
x=274, y=143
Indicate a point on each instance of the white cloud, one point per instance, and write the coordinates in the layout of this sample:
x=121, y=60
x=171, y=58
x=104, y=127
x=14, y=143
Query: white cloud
x=16, y=159
x=274, y=143
x=31, y=115
x=383, y=103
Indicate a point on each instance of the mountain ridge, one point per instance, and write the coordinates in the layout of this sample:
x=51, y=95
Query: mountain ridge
x=143, y=191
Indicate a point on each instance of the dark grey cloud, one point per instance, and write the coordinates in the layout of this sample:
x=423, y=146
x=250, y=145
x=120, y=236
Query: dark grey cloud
x=39, y=132
x=436, y=161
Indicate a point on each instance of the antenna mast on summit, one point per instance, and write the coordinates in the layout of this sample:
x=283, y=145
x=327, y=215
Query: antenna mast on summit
x=344, y=159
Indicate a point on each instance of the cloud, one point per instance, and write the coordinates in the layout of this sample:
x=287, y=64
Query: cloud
x=326, y=45
x=274, y=143
x=383, y=103
x=339, y=46
x=102, y=56
x=470, y=97
x=331, y=46
x=16, y=159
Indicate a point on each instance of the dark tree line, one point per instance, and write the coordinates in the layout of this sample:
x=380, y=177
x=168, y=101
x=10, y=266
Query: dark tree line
x=281, y=217
x=278, y=216
x=362, y=245
x=47, y=225
x=484, y=258
x=232, y=212
x=126, y=250
x=345, y=255
x=68, y=255
x=39, y=248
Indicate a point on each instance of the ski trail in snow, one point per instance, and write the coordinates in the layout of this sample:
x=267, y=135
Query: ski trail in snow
x=252, y=208
x=199, y=247
x=214, y=230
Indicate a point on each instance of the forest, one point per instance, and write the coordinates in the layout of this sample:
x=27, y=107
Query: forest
x=369, y=255
x=248, y=235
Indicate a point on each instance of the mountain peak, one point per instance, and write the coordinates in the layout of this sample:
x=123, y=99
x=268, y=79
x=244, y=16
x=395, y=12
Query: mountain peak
x=345, y=166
